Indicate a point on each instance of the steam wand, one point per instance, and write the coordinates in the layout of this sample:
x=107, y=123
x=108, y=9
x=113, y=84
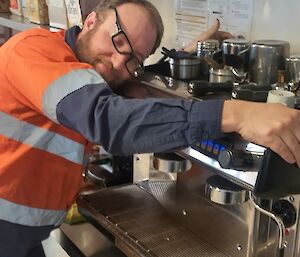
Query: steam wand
x=281, y=245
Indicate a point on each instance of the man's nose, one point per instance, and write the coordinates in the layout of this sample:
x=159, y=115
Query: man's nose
x=119, y=60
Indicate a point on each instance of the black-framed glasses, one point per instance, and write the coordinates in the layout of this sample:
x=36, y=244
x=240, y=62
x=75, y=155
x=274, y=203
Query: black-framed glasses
x=123, y=46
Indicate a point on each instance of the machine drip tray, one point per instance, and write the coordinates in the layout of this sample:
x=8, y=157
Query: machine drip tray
x=140, y=224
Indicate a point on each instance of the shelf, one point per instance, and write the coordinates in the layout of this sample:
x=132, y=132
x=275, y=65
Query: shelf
x=20, y=23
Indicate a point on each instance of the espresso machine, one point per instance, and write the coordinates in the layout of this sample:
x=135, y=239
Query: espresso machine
x=217, y=198
x=224, y=197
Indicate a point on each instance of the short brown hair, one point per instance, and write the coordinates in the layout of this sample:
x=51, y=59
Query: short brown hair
x=105, y=5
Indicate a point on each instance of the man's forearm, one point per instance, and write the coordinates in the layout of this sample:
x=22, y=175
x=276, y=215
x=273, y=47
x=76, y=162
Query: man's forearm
x=271, y=125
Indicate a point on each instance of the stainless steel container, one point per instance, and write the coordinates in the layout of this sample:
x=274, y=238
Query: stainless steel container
x=221, y=75
x=292, y=69
x=206, y=48
x=236, y=47
x=186, y=68
x=266, y=60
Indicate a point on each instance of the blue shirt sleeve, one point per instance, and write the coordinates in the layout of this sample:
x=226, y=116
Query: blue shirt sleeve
x=126, y=126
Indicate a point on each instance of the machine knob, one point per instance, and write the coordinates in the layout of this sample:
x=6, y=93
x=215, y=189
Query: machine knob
x=286, y=211
x=235, y=159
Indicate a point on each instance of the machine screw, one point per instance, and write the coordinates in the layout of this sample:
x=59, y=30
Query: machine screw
x=184, y=213
x=137, y=158
x=239, y=247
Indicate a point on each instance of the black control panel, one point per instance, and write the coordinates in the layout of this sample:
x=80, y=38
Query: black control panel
x=231, y=152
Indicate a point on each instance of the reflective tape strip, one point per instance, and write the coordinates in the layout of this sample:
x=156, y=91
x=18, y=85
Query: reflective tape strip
x=65, y=85
x=28, y=216
x=40, y=138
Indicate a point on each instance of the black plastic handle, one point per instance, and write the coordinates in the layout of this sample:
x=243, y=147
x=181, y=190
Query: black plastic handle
x=251, y=92
x=201, y=87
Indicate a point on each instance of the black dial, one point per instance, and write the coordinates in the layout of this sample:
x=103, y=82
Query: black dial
x=235, y=159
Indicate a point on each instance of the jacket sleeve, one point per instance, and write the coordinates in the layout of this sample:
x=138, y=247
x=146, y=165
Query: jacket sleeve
x=126, y=126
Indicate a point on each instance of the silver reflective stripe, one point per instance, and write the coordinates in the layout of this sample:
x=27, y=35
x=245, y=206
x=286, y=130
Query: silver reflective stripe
x=28, y=216
x=40, y=138
x=65, y=85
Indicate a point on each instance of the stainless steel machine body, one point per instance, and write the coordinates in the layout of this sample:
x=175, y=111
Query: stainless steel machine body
x=160, y=214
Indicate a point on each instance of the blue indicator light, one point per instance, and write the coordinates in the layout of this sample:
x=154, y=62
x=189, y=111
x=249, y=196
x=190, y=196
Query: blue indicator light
x=216, y=149
x=222, y=148
x=210, y=145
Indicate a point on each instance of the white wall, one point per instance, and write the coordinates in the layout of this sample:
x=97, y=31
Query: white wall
x=272, y=19
x=277, y=19
x=166, y=9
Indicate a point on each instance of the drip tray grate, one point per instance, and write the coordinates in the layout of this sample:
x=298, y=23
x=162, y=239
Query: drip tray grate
x=138, y=220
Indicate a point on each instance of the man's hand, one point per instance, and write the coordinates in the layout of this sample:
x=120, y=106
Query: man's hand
x=270, y=125
x=212, y=33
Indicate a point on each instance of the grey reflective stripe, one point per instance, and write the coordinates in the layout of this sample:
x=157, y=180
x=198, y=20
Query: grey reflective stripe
x=65, y=85
x=41, y=138
x=28, y=216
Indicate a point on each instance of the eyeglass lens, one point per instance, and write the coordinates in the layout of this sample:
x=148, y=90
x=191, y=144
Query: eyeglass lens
x=121, y=43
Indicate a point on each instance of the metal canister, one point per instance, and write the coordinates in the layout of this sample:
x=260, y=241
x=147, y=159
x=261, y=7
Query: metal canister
x=292, y=69
x=206, y=48
x=236, y=47
x=185, y=68
x=221, y=75
x=266, y=59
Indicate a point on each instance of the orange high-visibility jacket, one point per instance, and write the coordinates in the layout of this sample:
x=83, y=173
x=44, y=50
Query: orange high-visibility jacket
x=40, y=160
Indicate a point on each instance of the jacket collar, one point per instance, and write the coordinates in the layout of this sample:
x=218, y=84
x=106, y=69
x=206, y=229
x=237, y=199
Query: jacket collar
x=71, y=37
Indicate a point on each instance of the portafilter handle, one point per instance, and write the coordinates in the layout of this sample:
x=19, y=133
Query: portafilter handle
x=278, y=220
x=199, y=88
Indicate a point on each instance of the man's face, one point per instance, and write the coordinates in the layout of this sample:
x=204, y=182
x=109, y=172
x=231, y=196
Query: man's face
x=95, y=45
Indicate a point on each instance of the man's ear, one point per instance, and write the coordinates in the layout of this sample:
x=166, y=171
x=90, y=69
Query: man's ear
x=90, y=21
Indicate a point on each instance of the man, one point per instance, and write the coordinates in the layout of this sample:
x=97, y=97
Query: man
x=54, y=98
